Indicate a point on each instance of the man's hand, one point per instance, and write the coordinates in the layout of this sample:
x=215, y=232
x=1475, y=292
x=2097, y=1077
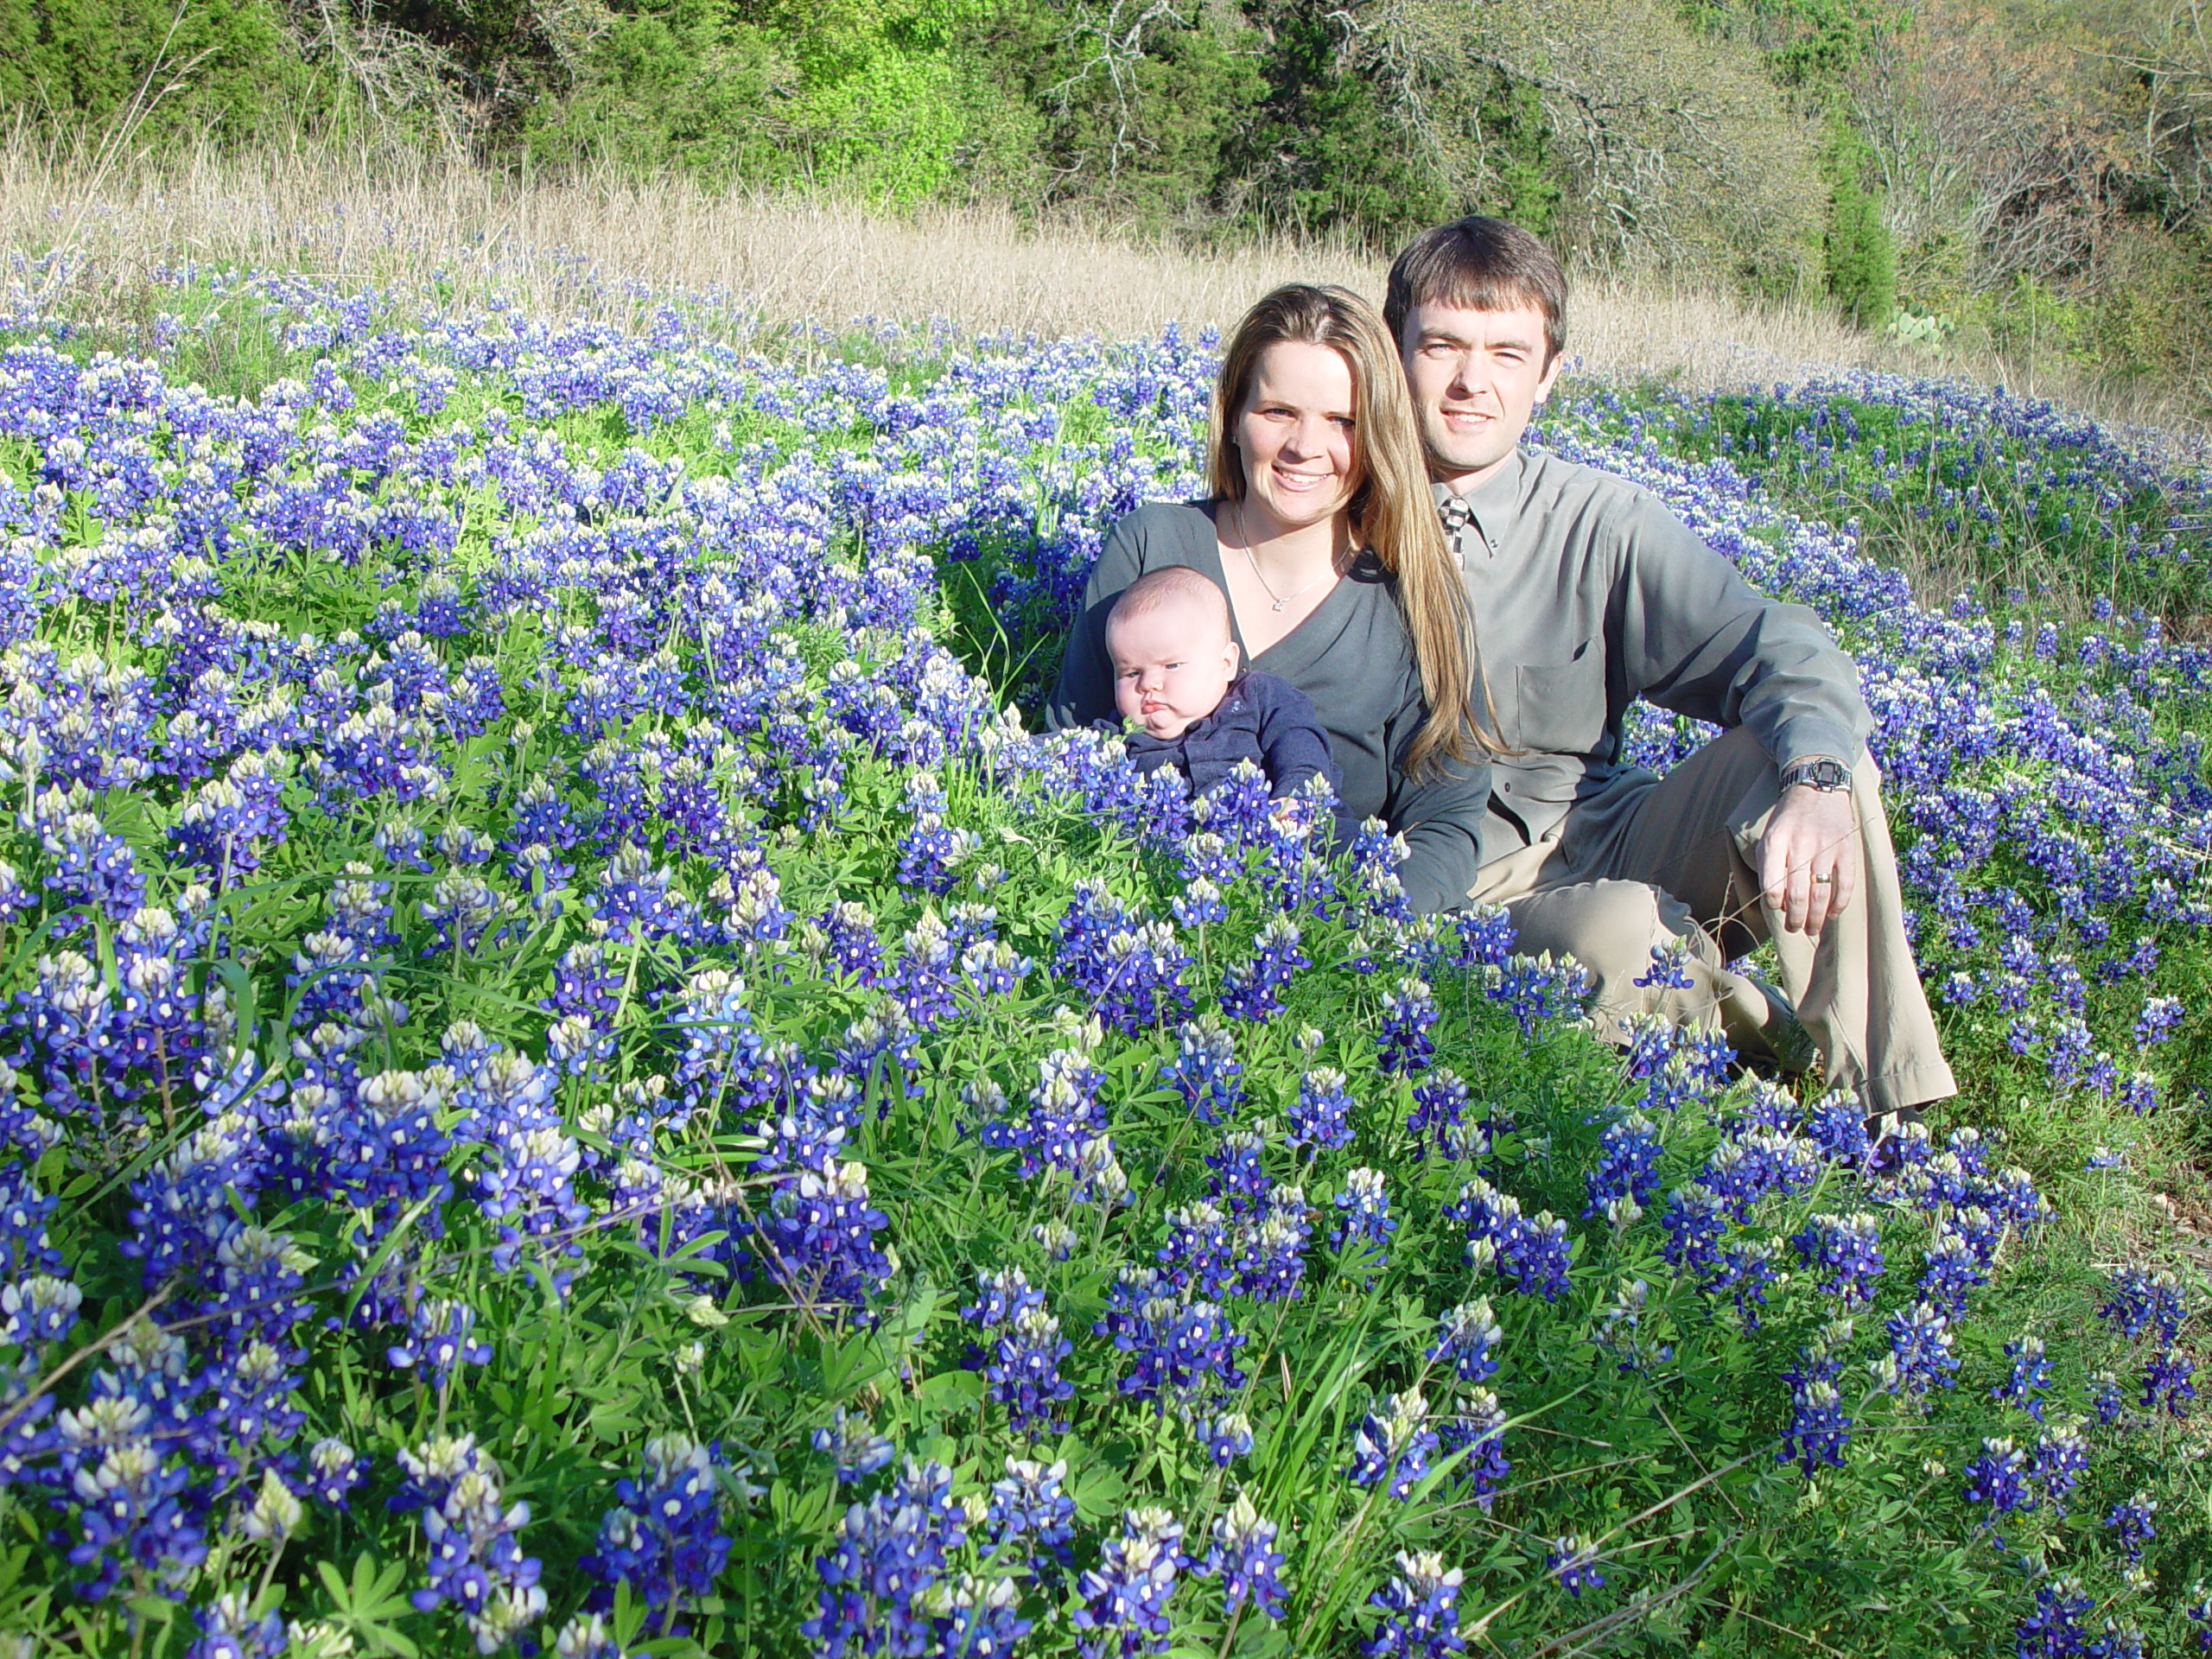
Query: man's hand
x=1809, y=857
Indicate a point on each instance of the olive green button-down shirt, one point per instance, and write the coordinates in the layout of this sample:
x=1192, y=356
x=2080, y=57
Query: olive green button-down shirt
x=1589, y=593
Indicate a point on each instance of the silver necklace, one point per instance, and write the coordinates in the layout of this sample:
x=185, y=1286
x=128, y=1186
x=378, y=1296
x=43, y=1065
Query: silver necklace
x=1244, y=542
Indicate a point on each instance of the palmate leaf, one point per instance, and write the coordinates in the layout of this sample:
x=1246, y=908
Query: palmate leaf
x=367, y=1604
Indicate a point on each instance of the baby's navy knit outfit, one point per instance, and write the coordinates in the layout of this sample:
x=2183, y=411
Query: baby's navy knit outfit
x=1261, y=719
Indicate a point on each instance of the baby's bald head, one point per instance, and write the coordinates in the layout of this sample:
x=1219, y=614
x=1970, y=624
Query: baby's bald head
x=1173, y=652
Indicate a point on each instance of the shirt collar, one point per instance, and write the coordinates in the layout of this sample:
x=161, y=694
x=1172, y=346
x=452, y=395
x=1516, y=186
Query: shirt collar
x=1487, y=508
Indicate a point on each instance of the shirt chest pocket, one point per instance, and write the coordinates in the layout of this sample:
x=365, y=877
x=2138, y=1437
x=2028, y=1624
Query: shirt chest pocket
x=1559, y=707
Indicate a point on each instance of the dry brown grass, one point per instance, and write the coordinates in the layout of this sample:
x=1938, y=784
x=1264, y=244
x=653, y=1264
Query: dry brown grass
x=596, y=246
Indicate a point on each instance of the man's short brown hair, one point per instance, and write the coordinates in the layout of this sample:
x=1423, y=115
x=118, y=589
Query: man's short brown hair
x=1483, y=264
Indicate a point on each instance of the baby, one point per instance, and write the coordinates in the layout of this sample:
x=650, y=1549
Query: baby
x=1184, y=705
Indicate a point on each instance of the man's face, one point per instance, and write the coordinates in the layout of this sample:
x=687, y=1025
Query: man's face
x=1476, y=377
x=1172, y=666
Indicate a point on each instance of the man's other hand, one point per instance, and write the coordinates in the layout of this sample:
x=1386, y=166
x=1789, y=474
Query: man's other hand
x=1809, y=857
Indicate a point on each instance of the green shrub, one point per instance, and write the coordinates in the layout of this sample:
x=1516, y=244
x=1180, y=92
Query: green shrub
x=1862, y=260
x=223, y=66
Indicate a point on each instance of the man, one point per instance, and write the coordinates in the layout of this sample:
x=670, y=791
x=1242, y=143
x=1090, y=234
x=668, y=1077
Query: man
x=1587, y=594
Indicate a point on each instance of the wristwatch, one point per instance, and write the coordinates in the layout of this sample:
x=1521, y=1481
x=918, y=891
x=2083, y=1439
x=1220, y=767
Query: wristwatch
x=1828, y=776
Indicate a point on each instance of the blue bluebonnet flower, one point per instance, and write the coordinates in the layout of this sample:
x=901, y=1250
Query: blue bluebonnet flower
x=2157, y=1022
x=1439, y=1108
x=1477, y=1430
x=1000, y=1293
x=2053, y=1627
x=1243, y=1557
x=1184, y=1348
x=1253, y=989
x=1920, y=1348
x=2061, y=1458
x=1376, y=854
x=1540, y=988
x=1393, y=1443
x=1419, y=1607
x=1226, y=1438
x=1064, y=1111
x=1846, y=1251
x=993, y=967
x=888, y=1553
x=1532, y=1251
x=1481, y=937
x=1320, y=1115
x=664, y=1537
x=2129, y=1521
x=1403, y=1045
x=2030, y=1377
x=926, y=974
x=1236, y=1173
x=1696, y=1220
x=1205, y=1070
x=1486, y=1213
x=1198, y=904
x=1998, y=1477
x=230, y=1630
x=439, y=1340
x=817, y=1236
x=1818, y=1431
x=1954, y=1267
x=1026, y=1502
x=1365, y=1225
x=1747, y=1167
x=973, y=1615
x=1099, y=1178
x=2107, y=1398
x=334, y=1469
x=1627, y=1166
x=855, y=1451
x=932, y=851
x=2138, y=1300
x=1124, y=1611
x=476, y=1560
x=1270, y=1246
x=1466, y=1337
x=1573, y=1562
x=1131, y=970
x=1197, y=1253
x=1837, y=1125
x=1023, y=1372
x=2167, y=1383
x=848, y=930
x=130, y=1498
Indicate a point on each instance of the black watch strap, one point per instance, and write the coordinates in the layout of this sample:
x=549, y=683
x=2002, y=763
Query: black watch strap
x=1829, y=777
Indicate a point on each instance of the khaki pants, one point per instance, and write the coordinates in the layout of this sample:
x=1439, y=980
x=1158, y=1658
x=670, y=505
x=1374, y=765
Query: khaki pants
x=1681, y=866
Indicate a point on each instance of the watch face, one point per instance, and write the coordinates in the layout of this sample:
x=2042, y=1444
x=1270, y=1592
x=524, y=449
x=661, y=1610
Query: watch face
x=1824, y=775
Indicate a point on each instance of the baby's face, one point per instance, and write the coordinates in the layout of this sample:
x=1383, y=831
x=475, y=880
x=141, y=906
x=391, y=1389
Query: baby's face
x=1170, y=666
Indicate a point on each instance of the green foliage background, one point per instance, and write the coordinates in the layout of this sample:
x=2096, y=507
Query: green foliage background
x=1806, y=149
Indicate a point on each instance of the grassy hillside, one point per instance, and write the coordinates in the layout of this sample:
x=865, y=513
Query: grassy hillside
x=574, y=1078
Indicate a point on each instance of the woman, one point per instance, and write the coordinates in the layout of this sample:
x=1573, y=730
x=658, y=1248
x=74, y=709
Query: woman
x=1321, y=531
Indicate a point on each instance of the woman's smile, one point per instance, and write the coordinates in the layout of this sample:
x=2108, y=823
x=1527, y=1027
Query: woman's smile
x=1295, y=436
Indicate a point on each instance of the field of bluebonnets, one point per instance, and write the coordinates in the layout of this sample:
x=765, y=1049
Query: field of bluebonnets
x=576, y=1082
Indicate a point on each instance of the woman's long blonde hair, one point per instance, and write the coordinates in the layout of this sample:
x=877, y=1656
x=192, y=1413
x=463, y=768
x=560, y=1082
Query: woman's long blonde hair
x=1391, y=508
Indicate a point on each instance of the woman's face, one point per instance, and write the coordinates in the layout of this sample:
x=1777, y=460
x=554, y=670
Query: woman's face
x=1295, y=435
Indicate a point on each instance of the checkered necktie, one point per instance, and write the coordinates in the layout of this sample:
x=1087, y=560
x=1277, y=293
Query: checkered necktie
x=1458, y=517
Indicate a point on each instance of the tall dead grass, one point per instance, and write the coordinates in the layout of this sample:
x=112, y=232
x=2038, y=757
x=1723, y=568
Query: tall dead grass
x=606, y=245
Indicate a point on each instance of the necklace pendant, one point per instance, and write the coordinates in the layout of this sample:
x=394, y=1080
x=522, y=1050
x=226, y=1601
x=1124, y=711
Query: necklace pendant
x=1280, y=603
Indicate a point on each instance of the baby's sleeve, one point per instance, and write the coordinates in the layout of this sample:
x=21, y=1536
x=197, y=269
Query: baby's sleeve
x=1293, y=745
